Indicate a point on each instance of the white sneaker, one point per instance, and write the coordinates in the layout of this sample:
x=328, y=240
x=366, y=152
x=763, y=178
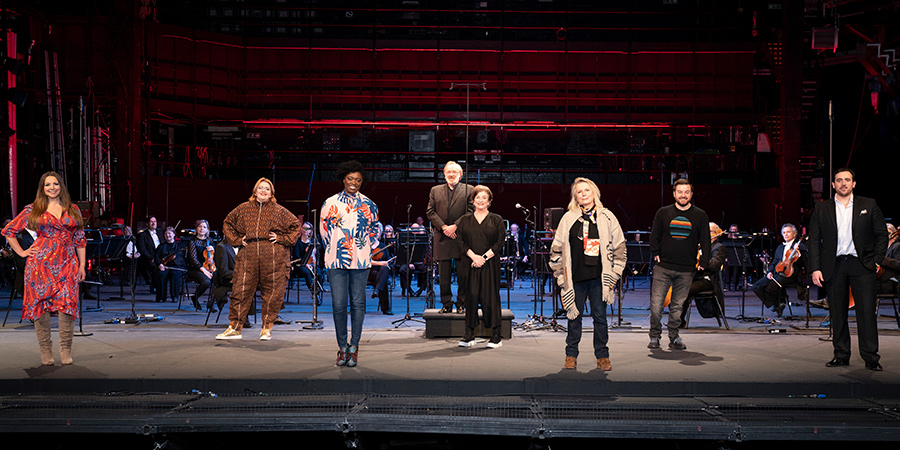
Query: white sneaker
x=466, y=343
x=495, y=344
x=228, y=334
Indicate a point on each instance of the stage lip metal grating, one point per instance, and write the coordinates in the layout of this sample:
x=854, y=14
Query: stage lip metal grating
x=562, y=416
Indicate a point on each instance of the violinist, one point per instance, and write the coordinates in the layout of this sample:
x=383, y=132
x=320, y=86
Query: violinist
x=170, y=262
x=785, y=270
x=889, y=272
x=380, y=274
x=200, y=263
x=708, y=278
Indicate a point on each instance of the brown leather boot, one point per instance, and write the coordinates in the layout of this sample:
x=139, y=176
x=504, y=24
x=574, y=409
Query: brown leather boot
x=604, y=364
x=42, y=329
x=570, y=362
x=66, y=333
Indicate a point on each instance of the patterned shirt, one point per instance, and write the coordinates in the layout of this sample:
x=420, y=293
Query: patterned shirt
x=349, y=228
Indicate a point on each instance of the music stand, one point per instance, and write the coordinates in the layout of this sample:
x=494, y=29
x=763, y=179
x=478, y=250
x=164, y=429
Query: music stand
x=736, y=248
x=114, y=249
x=314, y=322
x=91, y=250
x=408, y=240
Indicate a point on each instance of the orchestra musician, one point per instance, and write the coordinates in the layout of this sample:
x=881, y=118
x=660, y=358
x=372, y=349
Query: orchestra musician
x=265, y=232
x=847, y=237
x=348, y=229
x=515, y=251
x=148, y=240
x=412, y=262
x=199, y=249
x=380, y=274
x=170, y=263
x=889, y=274
x=305, y=269
x=480, y=235
x=224, y=256
x=732, y=276
x=770, y=289
x=678, y=229
x=53, y=273
x=708, y=279
x=587, y=257
x=446, y=204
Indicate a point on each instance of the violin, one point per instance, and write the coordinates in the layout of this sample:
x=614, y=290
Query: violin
x=378, y=254
x=787, y=265
x=169, y=258
x=210, y=263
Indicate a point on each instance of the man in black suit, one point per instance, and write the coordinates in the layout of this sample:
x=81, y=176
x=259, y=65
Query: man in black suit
x=847, y=236
x=147, y=242
x=224, y=260
x=447, y=203
x=770, y=288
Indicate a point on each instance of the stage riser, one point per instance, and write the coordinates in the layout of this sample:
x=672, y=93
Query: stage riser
x=439, y=325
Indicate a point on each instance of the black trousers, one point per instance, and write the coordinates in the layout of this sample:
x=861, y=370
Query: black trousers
x=445, y=267
x=770, y=293
x=849, y=274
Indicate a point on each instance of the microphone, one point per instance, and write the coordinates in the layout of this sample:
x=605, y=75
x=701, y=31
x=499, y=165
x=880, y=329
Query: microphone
x=519, y=206
x=408, y=207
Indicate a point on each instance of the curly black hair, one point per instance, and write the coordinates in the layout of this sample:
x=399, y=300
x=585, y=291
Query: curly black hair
x=348, y=167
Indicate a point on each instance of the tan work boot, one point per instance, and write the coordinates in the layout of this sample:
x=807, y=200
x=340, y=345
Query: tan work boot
x=42, y=329
x=604, y=364
x=66, y=333
x=570, y=362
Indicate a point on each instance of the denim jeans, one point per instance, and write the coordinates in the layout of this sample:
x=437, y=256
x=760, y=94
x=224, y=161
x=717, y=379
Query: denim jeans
x=681, y=285
x=593, y=290
x=348, y=285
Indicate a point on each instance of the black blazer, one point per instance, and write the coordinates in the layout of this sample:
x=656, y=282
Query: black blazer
x=224, y=259
x=869, y=235
x=779, y=256
x=145, y=244
x=444, y=211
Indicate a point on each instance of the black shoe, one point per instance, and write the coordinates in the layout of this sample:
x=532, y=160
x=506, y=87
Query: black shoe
x=460, y=309
x=196, y=304
x=446, y=309
x=819, y=303
x=779, y=308
x=388, y=313
x=280, y=321
x=418, y=293
x=874, y=365
x=375, y=294
x=247, y=325
x=837, y=362
x=221, y=305
x=211, y=307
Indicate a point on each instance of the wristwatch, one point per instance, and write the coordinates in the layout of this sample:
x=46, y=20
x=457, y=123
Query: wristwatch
x=485, y=256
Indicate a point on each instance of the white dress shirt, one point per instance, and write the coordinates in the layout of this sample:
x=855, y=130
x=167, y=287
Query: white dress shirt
x=844, y=216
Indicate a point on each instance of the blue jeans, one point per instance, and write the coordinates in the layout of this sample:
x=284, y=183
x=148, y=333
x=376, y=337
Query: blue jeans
x=681, y=285
x=348, y=285
x=593, y=290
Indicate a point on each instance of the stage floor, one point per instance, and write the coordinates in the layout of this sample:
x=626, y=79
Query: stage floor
x=177, y=361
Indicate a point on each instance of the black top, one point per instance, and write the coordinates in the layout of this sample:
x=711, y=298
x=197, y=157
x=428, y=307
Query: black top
x=583, y=267
x=676, y=235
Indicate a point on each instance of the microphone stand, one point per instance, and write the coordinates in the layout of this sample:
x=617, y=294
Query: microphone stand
x=314, y=323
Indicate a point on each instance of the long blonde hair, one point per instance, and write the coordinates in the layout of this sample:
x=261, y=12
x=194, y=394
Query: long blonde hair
x=271, y=187
x=573, y=203
x=41, y=201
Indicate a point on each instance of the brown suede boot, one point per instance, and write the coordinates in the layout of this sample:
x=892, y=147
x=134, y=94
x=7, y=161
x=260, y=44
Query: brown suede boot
x=66, y=333
x=42, y=329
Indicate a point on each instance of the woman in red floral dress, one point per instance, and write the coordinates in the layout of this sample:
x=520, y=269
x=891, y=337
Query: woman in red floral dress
x=54, y=265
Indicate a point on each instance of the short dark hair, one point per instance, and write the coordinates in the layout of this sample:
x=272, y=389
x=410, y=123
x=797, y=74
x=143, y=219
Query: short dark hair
x=681, y=181
x=347, y=167
x=844, y=169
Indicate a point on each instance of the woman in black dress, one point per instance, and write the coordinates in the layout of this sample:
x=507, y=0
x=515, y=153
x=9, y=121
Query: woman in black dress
x=481, y=235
